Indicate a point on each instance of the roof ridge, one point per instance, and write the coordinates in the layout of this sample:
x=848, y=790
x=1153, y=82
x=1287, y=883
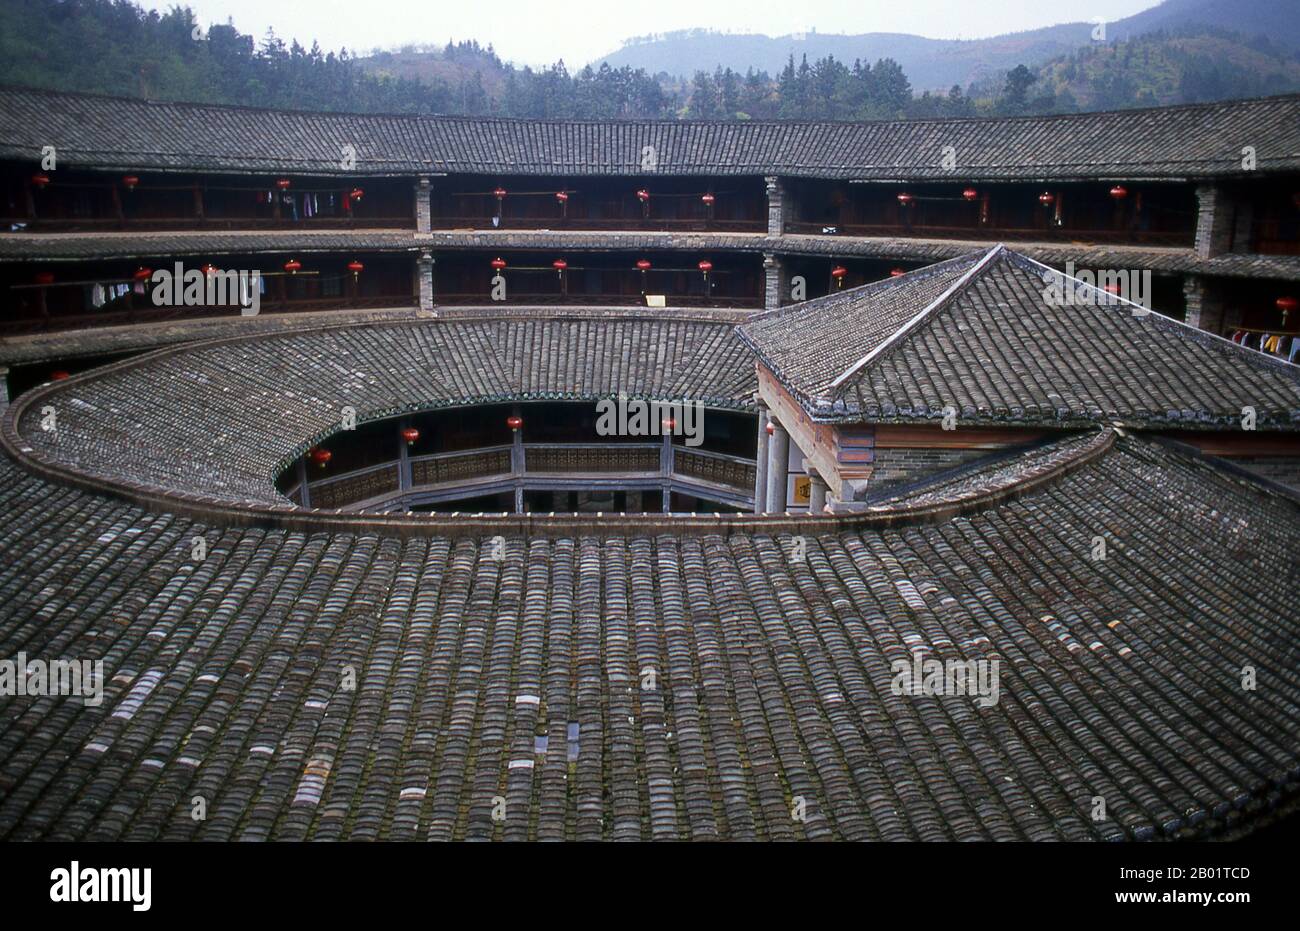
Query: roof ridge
x=926, y=312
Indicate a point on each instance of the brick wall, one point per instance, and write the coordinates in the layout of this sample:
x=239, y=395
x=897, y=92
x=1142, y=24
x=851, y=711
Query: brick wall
x=775, y=205
x=773, y=281
x=1205, y=306
x=1214, y=221
x=897, y=465
x=424, y=277
x=423, y=209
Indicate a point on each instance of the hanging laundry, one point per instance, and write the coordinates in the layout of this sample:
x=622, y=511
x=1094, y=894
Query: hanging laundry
x=97, y=298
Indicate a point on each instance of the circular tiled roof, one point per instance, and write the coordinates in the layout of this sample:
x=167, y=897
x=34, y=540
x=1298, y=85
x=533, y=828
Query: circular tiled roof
x=216, y=421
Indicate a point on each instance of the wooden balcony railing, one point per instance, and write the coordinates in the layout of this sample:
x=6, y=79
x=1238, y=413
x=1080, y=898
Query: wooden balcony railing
x=361, y=485
x=546, y=463
x=517, y=297
x=718, y=468
x=142, y=311
x=601, y=224
x=201, y=224
x=571, y=458
x=992, y=233
x=442, y=468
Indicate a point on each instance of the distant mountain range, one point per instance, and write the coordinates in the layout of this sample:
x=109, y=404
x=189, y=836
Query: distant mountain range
x=1183, y=51
x=938, y=64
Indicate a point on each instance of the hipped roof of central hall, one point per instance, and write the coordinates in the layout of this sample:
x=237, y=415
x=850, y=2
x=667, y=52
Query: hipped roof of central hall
x=984, y=335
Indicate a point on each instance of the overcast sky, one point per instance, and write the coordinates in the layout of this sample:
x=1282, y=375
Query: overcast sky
x=541, y=31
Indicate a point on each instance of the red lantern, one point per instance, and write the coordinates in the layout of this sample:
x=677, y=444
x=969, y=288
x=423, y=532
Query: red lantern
x=970, y=194
x=143, y=274
x=283, y=184
x=208, y=269
x=356, y=194
x=643, y=195
x=59, y=375
x=45, y=277
x=643, y=264
x=668, y=425
x=905, y=199
x=770, y=428
x=562, y=197
x=1046, y=198
x=321, y=456
x=498, y=263
x=499, y=193
x=559, y=265
x=293, y=266
x=129, y=182
x=40, y=180
x=356, y=268
x=514, y=421
x=410, y=434
x=838, y=272
x=1119, y=192
x=706, y=266
x=1286, y=304
x=896, y=273
x=708, y=199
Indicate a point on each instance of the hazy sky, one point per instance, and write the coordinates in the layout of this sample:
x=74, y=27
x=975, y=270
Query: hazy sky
x=541, y=31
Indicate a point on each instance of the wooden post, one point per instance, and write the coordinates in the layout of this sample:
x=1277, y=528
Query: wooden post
x=117, y=205
x=304, y=493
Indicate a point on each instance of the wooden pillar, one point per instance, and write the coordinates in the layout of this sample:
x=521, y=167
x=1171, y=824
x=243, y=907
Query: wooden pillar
x=666, y=469
x=304, y=493
x=816, y=489
x=518, y=465
x=778, y=466
x=760, y=462
x=403, y=458
x=118, y=211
